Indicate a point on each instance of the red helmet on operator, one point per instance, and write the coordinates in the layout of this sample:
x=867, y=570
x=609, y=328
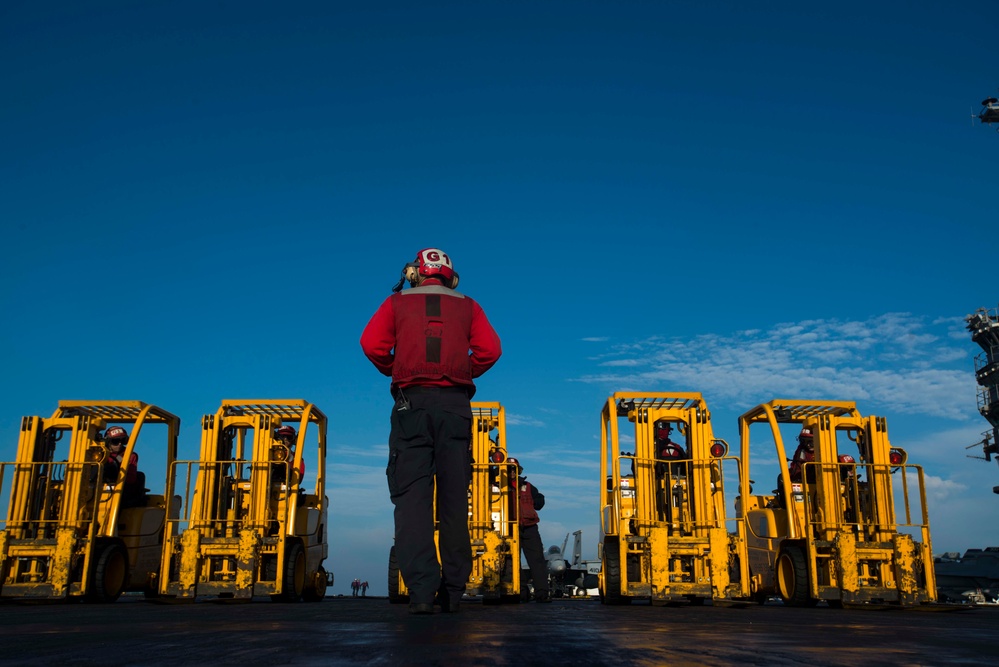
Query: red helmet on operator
x=848, y=470
x=286, y=432
x=116, y=435
x=805, y=437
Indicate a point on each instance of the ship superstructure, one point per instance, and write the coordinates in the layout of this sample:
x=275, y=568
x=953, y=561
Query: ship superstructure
x=984, y=327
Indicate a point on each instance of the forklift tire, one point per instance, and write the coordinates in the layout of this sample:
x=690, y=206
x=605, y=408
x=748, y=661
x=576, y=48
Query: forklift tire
x=792, y=578
x=393, y=580
x=315, y=591
x=293, y=581
x=110, y=573
x=612, y=575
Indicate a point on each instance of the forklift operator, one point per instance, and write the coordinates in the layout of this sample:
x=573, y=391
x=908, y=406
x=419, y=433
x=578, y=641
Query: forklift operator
x=133, y=493
x=805, y=453
x=670, y=466
x=284, y=454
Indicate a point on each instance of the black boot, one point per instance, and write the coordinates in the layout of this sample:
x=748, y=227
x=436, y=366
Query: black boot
x=448, y=601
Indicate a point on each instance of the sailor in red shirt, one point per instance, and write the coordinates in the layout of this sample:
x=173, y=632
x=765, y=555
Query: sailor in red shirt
x=133, y=491
x=805, y=453
x=283, y=455
x=531, y=500
x=433, y=342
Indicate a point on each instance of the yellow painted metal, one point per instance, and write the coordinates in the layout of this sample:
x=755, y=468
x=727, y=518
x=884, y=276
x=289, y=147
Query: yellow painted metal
x=493, y=512
x=845, y=550
x=63, y=512
x=664, y=531
x=658, y=562
x=839, y=522
x=247, y=552
x=250, y=509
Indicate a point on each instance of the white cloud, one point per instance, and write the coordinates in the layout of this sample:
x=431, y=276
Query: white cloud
x=896, y=361
x=522, y=420
x=623, y=362
x=939, y=490
x=361, y=488
x=379, y=451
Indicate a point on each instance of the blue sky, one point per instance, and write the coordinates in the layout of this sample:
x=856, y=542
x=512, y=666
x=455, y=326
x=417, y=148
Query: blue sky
x=206, y=201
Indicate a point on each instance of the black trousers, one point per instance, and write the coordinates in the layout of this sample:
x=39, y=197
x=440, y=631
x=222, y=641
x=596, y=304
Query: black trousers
x=534, y=551
x=430, y=440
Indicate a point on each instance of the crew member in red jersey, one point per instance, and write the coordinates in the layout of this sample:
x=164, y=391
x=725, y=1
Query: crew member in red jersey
x=433, y=341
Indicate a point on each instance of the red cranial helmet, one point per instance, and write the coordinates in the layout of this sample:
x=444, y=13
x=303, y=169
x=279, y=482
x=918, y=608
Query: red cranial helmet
x=805, y=437
x=846, y=471
x=434, y=262
x=115, y=434
x=285, y=432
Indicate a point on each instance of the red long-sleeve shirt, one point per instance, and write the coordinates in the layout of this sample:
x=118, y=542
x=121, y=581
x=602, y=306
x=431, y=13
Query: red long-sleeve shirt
x=401, y=336
x=112, y=465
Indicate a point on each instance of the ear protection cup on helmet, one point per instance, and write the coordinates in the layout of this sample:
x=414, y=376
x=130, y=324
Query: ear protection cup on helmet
x=408, y=275
x=412, y=274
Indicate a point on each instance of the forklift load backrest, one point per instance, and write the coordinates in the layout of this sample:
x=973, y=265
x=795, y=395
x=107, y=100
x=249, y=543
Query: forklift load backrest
x=673, y=472
x=845, y=476
x=65, y=473
x=252, y=469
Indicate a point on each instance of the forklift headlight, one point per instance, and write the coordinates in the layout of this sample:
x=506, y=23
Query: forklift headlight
x=96, y=454
x=897, y=457
x=719, y=449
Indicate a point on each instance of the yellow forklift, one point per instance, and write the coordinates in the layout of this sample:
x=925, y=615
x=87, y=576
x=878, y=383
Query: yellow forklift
x=664, y=534
x=81, y=525
x=256, y=524
x=493, y=515
x=847, y=523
